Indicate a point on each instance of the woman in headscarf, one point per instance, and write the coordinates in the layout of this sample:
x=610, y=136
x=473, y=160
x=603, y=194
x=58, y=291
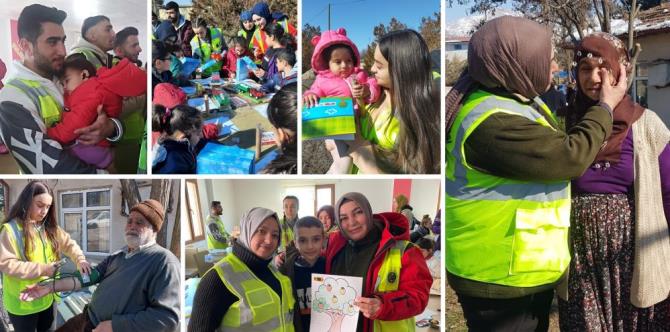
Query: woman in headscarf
x=376, y=247
x=247, y=28
x=262, y=17
x=244, y=291
x=620, y=271
x=508, y=166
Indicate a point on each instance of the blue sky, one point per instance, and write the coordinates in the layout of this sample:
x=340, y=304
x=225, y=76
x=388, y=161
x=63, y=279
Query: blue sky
x=359, y=17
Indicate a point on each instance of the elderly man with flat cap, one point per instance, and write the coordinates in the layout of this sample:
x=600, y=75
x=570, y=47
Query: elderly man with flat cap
x=138, y=286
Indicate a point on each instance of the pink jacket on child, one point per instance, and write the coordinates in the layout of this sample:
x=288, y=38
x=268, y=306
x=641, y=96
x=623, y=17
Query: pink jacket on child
x=328, y=84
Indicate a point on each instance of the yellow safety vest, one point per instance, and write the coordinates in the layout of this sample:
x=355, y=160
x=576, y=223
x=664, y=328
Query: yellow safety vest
x=207, y=48
x=258, y=307
x=93, y=57
x=47, y=106
x=498, y=230
x=212, y=243
x=286, y=234
x=388, y=280
x=41, y=252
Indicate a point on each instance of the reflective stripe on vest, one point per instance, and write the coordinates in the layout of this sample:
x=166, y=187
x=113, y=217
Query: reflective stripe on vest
x=212, y=243
x=286, y=234
x=47, y=106
x=388, y=280
x=40, y=252
x=503, y=231
x=206, y=48
x=258, y=307
x=258, y=40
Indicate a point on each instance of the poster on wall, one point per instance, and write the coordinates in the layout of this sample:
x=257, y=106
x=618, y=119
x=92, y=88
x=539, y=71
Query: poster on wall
x=333, y=308
x=16, y=51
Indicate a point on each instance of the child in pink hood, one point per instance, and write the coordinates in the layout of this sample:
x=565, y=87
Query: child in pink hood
x=336, y=63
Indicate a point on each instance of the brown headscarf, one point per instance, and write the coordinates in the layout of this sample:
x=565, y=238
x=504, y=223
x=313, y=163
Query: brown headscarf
x=362, y=202
x=609, y=51
x=511, y=53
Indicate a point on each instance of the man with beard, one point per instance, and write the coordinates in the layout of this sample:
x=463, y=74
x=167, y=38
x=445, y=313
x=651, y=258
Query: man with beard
x=182, y=26
x=138, y=286
x=32, y=99
x=97, y=39
x=127, y=45
x=217, y=237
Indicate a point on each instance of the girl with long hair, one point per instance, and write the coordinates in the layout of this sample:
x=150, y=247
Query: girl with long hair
x=404, y=125
x=31, y=243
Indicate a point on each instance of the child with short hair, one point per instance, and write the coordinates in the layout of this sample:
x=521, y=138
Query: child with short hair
x=180, y=128
x=85, y=90
x=286, y=71
x=336, y=63
x=309, y=237
x=237, y=50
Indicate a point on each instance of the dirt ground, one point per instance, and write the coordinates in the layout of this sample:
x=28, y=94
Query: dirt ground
x=315, y=157
x=455, y=322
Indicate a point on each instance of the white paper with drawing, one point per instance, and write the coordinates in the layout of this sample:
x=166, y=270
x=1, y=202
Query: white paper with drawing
x=333, y=308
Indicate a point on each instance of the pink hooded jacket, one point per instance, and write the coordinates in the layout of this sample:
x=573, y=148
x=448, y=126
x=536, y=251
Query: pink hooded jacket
x=328, y=84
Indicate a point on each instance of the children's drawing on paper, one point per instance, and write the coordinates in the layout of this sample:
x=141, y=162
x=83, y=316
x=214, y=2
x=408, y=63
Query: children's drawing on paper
x=333, y=306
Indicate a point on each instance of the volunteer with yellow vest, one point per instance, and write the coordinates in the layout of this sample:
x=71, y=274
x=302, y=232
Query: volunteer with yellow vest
x=32, y=99
x=31, y=244
x=508, y=166
x=244, y=291
x=217, y=237
x=376, y=247
x=208, y=44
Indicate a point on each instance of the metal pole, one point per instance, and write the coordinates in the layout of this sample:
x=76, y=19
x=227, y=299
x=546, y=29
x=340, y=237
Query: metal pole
x=329, y=16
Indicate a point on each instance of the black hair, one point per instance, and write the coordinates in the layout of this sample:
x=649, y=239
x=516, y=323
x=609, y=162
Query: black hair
x=329, y=51
x=78, y=61
x=183, y=118
x=291, y=197
x=89, y=22
x=286, y=55
x=201, y=22
x=284, y=39
x=122, y=35
x=416, y=149
x=215, y=203
x=425, y=243
x=172, y=5
x=283, y=113
x=307, y=222
x=237, y=40
x=30, y=21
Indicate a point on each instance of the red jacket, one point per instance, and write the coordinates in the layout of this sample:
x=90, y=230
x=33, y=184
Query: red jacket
x=411, y=298
x=230, y=61
x=107, y=88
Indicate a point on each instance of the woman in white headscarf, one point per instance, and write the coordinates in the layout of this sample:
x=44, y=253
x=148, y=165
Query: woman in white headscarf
x=244, y=291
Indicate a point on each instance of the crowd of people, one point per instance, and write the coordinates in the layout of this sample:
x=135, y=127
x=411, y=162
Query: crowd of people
x=266, y=38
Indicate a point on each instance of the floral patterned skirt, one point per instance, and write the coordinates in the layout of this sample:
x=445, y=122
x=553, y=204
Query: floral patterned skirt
x=602, y=241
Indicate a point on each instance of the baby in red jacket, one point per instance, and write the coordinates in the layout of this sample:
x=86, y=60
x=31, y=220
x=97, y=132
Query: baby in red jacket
x=84, y=92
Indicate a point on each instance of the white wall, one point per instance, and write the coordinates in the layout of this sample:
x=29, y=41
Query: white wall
x=238, y=196
x=122, y=13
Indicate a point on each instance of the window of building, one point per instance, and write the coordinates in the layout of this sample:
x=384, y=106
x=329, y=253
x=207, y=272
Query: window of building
x=194, y=231
x=639, y=87
x=86, y=216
